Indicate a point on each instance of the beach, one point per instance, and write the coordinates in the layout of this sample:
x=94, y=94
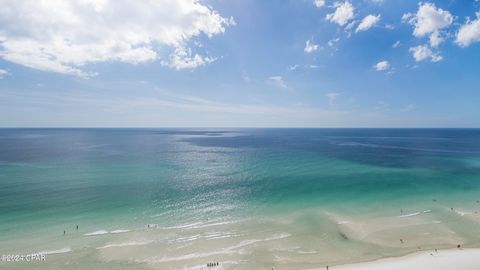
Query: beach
x=247, y=199
x=442, y=260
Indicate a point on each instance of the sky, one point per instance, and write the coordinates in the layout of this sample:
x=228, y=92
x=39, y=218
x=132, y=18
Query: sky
x=239, y=63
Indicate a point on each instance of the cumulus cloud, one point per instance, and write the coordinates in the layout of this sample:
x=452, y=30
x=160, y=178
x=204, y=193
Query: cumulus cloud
x=469, y=32
x=382, y=65
x=343, y=13
x=368, y=22
x=64, y=36
x=423, y=52
x=310, y=46
x=319, y=3
x=429, y=20
x=3, y=73
x=396, y=44
x=277, y=81
x=435, y=39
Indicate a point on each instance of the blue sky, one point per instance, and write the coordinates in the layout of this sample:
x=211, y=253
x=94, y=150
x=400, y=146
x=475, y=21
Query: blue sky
x=245, y=63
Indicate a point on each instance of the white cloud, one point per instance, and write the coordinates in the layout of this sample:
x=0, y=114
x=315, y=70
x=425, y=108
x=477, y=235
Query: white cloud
x=435, y=39
x=182, y=58
x=368, y=22
x=3, y=73
x=396, y=44
x=389, y=26
x=422, y=52
x=333, y=42
x=294, y=67
x=319, y=3
x=429, y=20
x=344, y=12
x=350, y=25
x=469, y=32
x=382, y=65
x=310, y=46
x=332, y=97
x=407, y=17
x=64, y=36
x=277, y=81
x=308, y=66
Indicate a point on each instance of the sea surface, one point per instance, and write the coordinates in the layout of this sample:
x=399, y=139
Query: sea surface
x=245, y=198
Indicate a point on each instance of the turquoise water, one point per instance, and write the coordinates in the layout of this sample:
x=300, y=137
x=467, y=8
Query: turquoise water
x=246, y=197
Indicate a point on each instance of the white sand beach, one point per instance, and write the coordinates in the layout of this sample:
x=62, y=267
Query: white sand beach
x=464, y=259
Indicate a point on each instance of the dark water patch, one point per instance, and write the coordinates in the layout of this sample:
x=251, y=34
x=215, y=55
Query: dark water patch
x=343, y=236
x=193, y=132
x=436, y=149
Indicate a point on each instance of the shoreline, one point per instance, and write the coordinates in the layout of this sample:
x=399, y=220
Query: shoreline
x=444, y=259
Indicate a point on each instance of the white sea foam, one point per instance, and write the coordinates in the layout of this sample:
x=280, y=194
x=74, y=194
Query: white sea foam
x=278, y=236
x=409, y=215
x=283, y=249
x=184, y=226
x=119, y=231
x=127, y=244
x=199, y=225
x=191, y=256
x=415, y=214
x=307, y=252
x=224, y=251
x=220, y=236
x=57, y=251
x=463, y=213
x=212, y=224
x=344, y=222
x=186, y=238
x=100, y=232
x=207, y=236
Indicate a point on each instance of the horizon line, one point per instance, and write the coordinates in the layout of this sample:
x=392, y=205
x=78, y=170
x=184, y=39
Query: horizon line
x=233, y=127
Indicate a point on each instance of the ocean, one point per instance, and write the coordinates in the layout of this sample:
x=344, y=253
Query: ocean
x=245, y=198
